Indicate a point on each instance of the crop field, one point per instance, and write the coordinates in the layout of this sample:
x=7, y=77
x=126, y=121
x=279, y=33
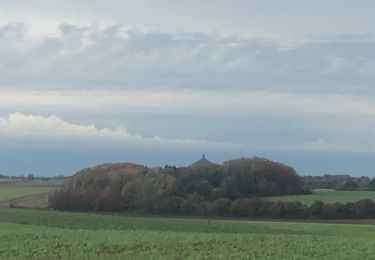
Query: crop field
x=330, y=196
x=11, y=190
x=7, y=193
x=27, y=234
x=30, y=183
x=47, y=234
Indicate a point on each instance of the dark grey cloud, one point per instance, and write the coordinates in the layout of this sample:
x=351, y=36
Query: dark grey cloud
x=271, y=18
x=119, y=57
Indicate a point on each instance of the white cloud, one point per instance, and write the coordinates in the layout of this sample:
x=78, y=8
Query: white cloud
x=20, y=125
x=21, y=130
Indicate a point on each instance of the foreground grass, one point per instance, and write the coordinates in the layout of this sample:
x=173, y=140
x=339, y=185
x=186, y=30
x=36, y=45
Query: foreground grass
x=28, y=234
x=330, y=196
x=51, y=243
x=40, y=234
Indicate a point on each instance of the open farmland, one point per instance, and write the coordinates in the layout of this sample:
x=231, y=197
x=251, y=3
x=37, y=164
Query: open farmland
x=329, y=196
x=7, y=193
x=16, y=191
x=47, y=234
x=30, y=234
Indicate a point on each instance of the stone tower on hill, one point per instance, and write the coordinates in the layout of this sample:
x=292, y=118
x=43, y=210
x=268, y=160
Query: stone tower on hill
x=203, y=163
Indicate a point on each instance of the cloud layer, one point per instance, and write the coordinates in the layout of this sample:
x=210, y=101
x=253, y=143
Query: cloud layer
x=123, y=57
x=118, y=86
x=19, y=130
x=22, y=130
x=272, y=18
x=180, y=102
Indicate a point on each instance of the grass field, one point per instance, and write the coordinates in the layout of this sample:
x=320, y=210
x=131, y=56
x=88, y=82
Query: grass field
x=7, y=193
x=14, y=189
x=32, y=183
x=29, y=234
x=330, y=196
x=47, y=234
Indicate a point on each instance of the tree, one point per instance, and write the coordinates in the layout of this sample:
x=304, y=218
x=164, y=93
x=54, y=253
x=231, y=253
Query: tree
x=220, y=207
x=371, y=185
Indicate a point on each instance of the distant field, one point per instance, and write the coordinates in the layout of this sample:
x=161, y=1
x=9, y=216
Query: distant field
x=13, y=189
x=7, y=193
x=51, y=235
x=330, y=196
x=33, y=183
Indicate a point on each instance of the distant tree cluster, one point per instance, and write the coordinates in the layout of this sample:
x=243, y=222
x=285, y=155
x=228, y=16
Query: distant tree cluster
x=339, y=182
x=257, y=208
x=200, y=189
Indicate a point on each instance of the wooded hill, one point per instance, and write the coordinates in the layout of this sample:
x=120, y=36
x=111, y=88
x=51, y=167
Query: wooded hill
x=186, y=190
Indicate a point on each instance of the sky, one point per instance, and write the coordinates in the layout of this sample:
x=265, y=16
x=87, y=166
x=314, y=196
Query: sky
x=160, y=82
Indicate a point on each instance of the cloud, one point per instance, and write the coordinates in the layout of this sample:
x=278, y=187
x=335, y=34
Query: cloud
x=198, y=103
x=335, y=17
x=247, y=79
x=20, y=125
x=242, y=120
x=22, y=130
x=130, y=57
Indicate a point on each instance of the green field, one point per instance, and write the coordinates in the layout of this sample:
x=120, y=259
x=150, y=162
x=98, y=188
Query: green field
x=330, y=196
x=27, y=234
x=14, y=189
x=7, y=193
x=47, y=234
x=39, y=183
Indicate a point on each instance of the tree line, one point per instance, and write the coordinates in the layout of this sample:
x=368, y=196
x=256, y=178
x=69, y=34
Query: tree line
x=339, y=182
